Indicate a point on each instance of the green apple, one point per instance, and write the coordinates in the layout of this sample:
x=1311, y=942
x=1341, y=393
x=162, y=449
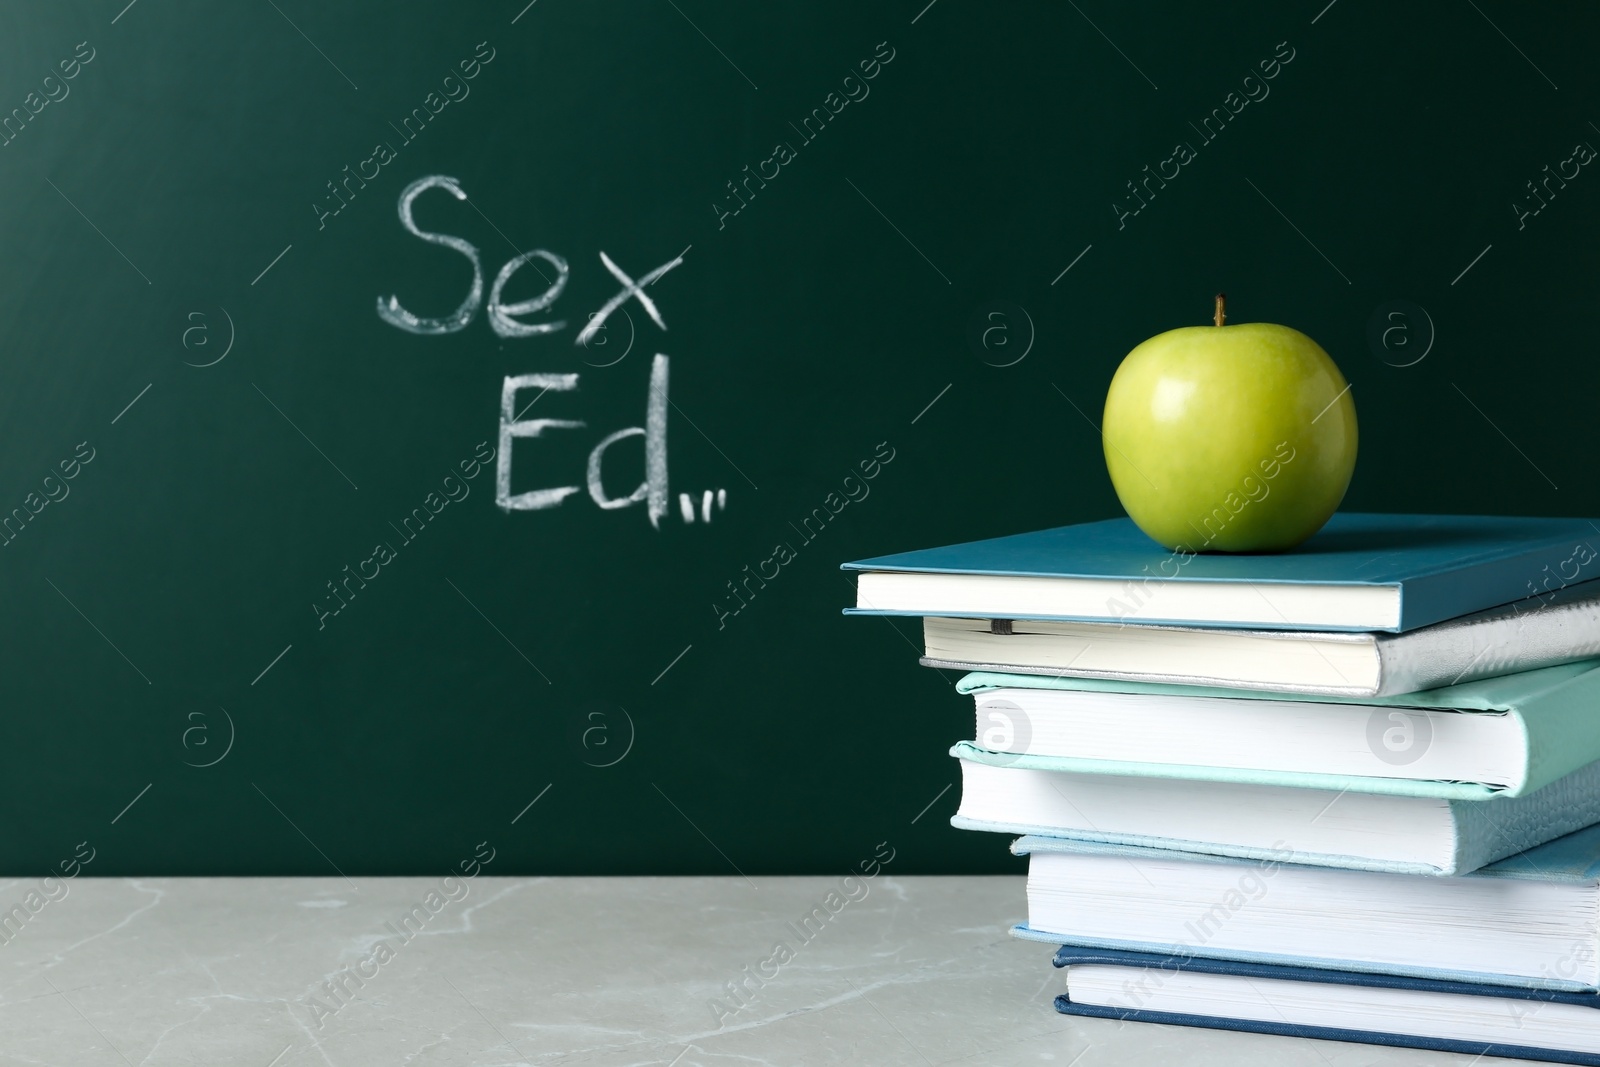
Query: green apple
x=1229, y=438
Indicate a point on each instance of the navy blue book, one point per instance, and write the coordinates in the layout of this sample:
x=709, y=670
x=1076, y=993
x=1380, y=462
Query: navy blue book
x=1361, y=572
x=1374, y=1009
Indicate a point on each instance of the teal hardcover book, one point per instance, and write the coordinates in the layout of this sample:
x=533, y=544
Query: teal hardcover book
x=1361, y=572
x=1497, y=737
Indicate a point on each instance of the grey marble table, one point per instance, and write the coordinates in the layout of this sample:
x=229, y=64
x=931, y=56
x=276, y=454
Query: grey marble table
x=285, y=972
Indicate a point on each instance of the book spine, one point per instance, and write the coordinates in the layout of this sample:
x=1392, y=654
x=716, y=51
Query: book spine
x=1506, y=642
x=1489, y=830
x=1463, y=589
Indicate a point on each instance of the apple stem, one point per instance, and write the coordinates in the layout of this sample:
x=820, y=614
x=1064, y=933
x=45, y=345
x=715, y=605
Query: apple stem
x=1222, y=308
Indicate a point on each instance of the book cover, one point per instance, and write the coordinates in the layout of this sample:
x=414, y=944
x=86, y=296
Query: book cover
x=1441, y=566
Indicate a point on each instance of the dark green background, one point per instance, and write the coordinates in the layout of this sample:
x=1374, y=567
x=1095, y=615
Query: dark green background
x=801, y=335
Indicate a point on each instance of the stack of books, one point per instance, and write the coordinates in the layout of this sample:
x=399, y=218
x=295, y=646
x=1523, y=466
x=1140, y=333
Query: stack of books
x=1350, y=791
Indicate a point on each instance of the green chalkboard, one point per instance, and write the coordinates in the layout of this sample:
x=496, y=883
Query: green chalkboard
x=296, y=583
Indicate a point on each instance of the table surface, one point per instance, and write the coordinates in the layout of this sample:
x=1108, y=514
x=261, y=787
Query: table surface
x=590, y=971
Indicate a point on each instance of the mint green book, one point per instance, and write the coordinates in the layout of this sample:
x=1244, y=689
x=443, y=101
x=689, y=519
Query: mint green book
x=1497, y=737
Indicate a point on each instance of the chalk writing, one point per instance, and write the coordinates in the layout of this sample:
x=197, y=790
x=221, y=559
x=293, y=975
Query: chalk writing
x=509, y=320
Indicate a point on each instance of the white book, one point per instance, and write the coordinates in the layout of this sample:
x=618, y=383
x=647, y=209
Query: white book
x=1345, y=828
x=1531, y=921
x=1508, y=735
x=1516, y=637
x=1441, y=1017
